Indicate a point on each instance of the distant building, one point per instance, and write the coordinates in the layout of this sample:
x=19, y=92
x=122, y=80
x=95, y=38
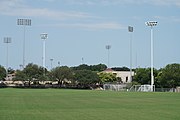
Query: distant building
x=10, y=76
x=124, y=75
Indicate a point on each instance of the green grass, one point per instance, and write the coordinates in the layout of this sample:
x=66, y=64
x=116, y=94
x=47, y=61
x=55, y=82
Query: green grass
x=58, y=104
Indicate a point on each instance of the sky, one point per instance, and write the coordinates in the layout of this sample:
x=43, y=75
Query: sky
x=79, y=30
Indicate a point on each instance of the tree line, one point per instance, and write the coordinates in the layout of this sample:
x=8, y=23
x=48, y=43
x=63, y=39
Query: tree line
x=167, y=77
x=87, y=76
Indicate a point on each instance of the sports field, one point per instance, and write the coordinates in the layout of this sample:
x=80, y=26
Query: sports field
x=59, y=104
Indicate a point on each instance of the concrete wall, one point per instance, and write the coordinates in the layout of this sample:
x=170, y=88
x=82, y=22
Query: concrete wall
x=124, y=75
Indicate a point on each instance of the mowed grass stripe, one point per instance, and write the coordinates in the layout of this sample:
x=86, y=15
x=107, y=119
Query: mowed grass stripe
x=59, y=104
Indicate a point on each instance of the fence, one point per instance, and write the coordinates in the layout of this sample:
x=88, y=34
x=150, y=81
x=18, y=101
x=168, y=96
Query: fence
x=165, y=90
x=115, y=87
x=138, y=88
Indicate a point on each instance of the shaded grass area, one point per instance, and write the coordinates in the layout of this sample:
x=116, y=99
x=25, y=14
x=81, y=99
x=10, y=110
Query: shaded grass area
x=59, y=104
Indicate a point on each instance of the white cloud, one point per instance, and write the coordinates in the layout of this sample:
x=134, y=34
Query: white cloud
x=91, y=26
x=18, y=8
x=46, y=13
x=166, y=2
x=122, y=2
x=95, y=26
x=6, y=5
x=168, y=18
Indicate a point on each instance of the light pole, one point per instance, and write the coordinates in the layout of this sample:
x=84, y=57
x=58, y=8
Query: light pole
x=108, y=47
x=82, y=60
x=51, y=63
x=21, y=67
x=44, y=36
x=130, y=29
x=59, y=63
x=24, y=23
x=7, y=40
x=151, y=24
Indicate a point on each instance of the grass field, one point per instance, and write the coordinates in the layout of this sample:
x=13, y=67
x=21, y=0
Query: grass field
x=58, y=104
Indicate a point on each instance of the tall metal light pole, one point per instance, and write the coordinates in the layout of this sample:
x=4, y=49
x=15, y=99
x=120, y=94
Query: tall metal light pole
x=44, y=36
x=82, y=60
x=151, y=24
x=24, y=23
x=108, y=47
x=51, y=63
x=7, y=40
x=130, y=29
x=59, y=63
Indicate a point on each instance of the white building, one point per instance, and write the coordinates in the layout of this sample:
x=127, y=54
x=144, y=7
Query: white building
x=124, y=75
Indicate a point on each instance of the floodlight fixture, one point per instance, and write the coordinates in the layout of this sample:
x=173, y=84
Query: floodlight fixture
x=7, y=39
x=151, y=23
x=108, y=47
x=130, y=28
x=59, y=63
x=44, y=36
x=24, y=22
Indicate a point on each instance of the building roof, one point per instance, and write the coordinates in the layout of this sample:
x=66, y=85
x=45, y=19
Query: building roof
x=109, y=70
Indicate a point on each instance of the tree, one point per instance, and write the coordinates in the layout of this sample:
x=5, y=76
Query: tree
x=20, y=75
x=98, y=68
x=107, y=77
x=10, y=70
x=33, y=71
x=61, y=73
x=120, y=69
x=30, y=73
x=86, y=78
x=169, y=76
x=81, y=67
x=2, y=73
x=143, y=75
